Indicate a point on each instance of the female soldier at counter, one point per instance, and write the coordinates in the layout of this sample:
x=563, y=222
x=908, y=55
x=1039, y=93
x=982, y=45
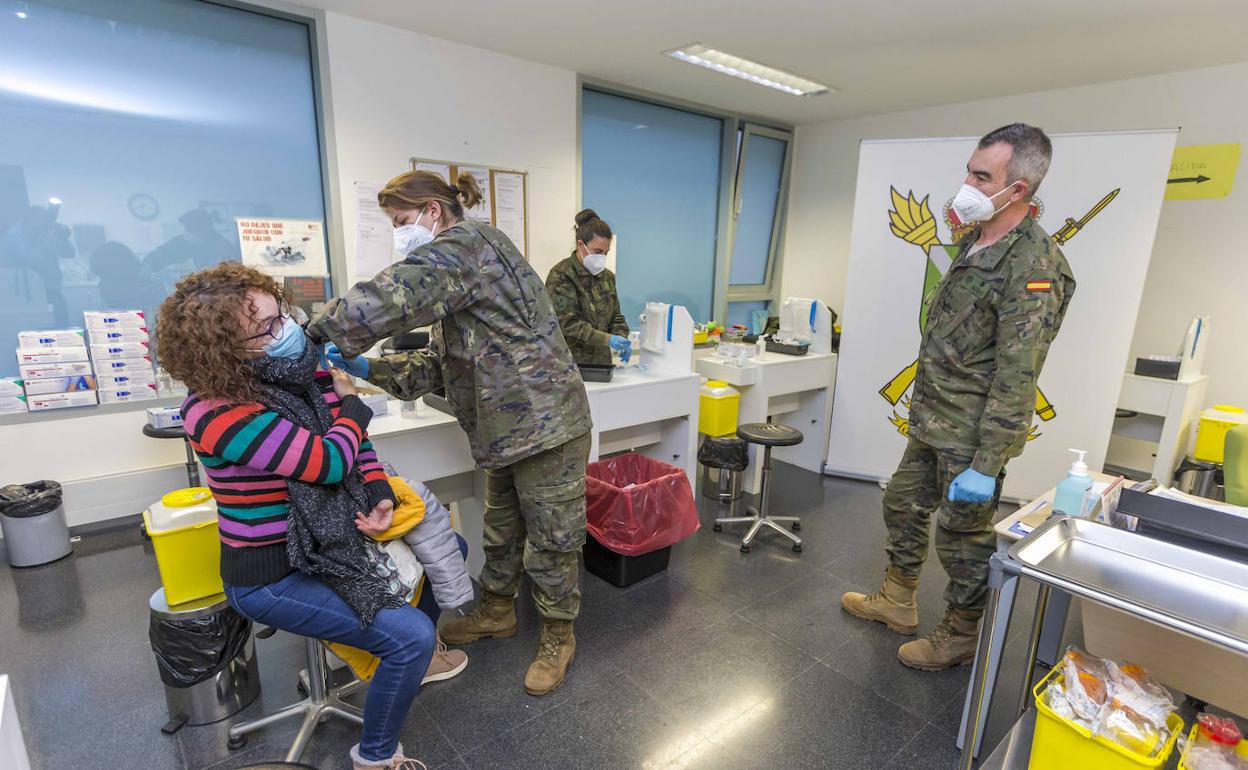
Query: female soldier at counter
x=514, y=387
x=583, y=292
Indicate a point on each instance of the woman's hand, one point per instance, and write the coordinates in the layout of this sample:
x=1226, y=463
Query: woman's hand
x=377, y=521
x=343, y=385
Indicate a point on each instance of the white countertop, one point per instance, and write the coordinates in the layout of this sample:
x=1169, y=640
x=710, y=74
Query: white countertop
x=428, y=418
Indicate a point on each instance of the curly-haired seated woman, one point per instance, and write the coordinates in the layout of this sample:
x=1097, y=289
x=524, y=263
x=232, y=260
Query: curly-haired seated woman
x=299, y=490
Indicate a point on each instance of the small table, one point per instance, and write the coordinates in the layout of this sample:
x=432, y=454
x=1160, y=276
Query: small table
x=1029, y=516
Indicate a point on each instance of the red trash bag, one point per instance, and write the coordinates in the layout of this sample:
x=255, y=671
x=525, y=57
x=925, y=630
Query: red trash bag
x=656, y=511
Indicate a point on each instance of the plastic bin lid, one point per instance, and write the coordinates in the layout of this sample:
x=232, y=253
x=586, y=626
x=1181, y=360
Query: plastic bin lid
x=180, y=509
x=197, y=608
x=718, y=389
x=1226, y=412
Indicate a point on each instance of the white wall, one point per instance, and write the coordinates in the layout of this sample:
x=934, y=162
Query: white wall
x=398, y=94
x=1200, y=257
x=394, y=94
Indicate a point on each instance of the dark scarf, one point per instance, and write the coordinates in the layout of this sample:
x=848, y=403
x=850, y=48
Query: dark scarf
x=321, y=537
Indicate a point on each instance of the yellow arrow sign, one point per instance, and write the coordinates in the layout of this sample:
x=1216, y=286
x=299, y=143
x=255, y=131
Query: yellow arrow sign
x=1202, y=171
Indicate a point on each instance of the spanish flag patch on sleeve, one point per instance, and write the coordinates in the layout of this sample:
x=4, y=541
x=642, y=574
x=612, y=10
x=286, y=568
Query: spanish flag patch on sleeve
x=1039, y=286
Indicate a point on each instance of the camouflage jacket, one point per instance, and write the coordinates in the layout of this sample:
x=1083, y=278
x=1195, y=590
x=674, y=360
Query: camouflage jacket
x=588, y=309
x=508, y=372
x=989, y=326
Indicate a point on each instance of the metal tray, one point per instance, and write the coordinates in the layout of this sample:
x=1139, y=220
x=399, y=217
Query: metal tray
x=1195, y=593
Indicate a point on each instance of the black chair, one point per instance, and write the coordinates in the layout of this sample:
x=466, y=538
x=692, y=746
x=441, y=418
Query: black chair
x=178, y=432
x=766, y=435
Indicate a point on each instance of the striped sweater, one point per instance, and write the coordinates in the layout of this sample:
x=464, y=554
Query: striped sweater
x=248, y=452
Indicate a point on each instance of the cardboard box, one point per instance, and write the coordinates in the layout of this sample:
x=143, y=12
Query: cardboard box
x=125, y=379
x=123, y=365
x=51, y=338
x=164, y=417
x=110, y=320
x=120, y=350
x=12, y=404
x=117, y=336
x=11, y=386
x=61, y=400
x=40, y=371
x=58, y=355
x=59, y=385
x=136, y=393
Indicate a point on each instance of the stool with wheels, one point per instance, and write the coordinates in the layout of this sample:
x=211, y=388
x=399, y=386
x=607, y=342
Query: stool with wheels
x=766, y=435
x=322, y=702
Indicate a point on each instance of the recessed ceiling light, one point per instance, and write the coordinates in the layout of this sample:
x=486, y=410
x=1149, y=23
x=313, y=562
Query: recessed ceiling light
x=20, y=14
x=727, y=64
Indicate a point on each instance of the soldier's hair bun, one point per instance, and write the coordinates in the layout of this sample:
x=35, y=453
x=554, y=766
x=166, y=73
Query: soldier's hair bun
x=590, y=226
x=468, y=190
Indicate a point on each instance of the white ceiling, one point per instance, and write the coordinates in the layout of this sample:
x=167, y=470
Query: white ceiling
x=881, y=55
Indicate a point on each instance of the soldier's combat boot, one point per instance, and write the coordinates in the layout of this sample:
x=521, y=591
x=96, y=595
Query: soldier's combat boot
x=951, y=643
x=893, y=605
x=555, y=652
x=494, y=616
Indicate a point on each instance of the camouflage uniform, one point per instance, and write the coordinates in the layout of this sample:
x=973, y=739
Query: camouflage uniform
x=989, y=327
x=588, y=309
x=512, y=382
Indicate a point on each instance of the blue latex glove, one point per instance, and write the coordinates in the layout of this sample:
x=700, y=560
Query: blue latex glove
x=971, y=486
x=622, y=346
x=356, y=367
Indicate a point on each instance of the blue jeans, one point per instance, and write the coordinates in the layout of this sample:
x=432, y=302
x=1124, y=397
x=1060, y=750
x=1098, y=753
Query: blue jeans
x=402, y=637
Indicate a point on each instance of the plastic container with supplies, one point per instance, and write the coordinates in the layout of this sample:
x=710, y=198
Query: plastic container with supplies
x=717, y=409
x=1215, y=423
x=1062, y=745
x=1215, y=743
x=183, y=528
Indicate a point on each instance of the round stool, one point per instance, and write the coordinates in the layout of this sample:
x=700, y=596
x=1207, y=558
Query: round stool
x=766, y=435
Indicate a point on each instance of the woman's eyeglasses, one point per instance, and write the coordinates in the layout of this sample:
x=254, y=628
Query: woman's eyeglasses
x=275, y=327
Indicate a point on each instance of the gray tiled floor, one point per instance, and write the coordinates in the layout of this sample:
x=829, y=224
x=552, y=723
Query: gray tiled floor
x=726, y=660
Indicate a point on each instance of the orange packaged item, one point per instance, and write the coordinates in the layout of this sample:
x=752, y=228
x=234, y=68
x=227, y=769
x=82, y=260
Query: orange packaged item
x=1085, y=684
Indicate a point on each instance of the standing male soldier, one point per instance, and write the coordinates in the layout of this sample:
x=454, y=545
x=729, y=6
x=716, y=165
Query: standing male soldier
x=989, y=327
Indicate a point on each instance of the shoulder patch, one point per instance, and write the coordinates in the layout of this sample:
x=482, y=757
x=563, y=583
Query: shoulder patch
x=1040, y=286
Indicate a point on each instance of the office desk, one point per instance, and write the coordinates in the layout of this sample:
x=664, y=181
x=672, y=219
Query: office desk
x=654, y=413
x=797, y=389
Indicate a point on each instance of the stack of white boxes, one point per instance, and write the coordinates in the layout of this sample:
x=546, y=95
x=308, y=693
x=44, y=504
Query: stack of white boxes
x=121, y=353
x=12, y=395
x=56, y=371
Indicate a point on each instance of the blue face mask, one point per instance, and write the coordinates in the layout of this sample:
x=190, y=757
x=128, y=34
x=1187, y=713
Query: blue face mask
x=291, y=342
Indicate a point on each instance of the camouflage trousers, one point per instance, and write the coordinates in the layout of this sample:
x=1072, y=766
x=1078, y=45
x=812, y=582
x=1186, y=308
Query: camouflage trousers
x=535, y=523
x=964, y=536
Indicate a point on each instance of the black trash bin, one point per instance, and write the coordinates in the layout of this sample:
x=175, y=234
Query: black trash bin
x=33, y=522
x=206, y=658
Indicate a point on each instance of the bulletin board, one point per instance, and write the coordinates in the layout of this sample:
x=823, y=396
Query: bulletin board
x=506, y=202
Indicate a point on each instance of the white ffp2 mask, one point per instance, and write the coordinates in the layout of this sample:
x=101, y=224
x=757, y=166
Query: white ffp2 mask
x=411, y=236
x=971, y=205
x=595, y=263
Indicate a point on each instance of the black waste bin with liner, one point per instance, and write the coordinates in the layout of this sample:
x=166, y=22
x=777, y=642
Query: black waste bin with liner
x=32, y=519
x=636, y=509
x=206, y=658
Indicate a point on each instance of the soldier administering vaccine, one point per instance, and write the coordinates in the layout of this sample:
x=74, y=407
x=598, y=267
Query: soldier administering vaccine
x=512, y=382
x=989, y=327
